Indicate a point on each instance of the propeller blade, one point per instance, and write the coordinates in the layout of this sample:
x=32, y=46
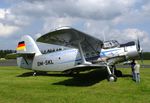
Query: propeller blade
x=139, y=49
x=138, y=45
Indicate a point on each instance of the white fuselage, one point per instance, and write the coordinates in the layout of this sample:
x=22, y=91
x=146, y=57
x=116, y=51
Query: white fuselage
x=68, y=59
x=56, y=61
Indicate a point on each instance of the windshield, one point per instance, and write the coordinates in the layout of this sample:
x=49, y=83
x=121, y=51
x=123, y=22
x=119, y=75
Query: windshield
x=110, y=44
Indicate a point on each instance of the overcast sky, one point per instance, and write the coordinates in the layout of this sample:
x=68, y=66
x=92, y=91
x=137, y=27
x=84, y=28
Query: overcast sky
x=122, y=20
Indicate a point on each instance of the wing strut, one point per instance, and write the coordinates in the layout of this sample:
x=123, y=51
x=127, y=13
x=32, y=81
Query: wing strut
x=82, y=55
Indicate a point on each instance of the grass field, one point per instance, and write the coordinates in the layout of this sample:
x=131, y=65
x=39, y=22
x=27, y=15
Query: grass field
x=146, y=62
x=19, y=86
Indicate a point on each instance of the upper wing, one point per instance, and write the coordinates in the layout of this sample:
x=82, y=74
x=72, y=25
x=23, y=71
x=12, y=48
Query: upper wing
x=70, y=37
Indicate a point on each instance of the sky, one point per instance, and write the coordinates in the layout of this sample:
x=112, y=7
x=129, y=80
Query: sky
x=121, y=20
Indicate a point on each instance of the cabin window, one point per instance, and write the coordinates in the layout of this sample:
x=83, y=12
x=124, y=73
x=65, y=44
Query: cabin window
x=110, y=44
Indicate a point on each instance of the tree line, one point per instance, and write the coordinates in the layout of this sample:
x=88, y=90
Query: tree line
x=146, y=56
x=3, y=53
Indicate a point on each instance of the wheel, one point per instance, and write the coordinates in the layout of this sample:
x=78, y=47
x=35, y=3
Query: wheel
x=112, y=78
x=34, y=74
x=118, y=73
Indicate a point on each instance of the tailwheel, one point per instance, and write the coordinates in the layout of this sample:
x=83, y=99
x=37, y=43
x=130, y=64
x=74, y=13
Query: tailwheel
x=34, y=73
x=112, y=78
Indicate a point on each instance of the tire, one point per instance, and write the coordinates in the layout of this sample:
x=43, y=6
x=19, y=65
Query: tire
x=112, y=78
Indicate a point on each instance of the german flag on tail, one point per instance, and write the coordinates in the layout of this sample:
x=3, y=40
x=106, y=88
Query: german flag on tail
x=21, y=46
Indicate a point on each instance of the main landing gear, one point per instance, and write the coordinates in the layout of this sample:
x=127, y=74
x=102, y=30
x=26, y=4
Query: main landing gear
x=113, y=73
x=111, y=76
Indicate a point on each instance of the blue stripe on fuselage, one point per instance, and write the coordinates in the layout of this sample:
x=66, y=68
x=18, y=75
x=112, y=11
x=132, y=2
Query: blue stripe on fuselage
x=103, y=53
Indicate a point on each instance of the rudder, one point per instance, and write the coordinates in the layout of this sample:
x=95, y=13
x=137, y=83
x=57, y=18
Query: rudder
x=27, y=46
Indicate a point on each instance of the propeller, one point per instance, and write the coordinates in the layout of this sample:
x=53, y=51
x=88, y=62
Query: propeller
x=138, y=45
x=140, y=51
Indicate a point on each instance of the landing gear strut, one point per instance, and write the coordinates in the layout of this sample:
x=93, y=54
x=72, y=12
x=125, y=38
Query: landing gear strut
x=116, y=72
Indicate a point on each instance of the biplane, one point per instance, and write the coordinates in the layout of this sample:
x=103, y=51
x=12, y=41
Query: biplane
x=84, y=52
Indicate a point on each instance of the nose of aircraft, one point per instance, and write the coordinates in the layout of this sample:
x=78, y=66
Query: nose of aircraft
x=133, y=49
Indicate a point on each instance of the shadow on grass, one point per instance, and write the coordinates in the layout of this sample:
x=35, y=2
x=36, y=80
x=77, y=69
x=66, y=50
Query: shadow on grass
x=126, y=75
x=27, y=74
x=85, y=79
x=82, y=79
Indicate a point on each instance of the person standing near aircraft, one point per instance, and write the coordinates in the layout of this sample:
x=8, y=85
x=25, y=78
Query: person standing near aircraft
x=137, y=72
x=132, y=68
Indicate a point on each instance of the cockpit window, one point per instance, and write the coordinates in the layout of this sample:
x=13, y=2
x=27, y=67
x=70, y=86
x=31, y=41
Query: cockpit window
x=128, y=44
x=110, y=44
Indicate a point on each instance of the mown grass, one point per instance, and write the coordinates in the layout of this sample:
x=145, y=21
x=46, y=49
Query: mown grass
x=19, y=86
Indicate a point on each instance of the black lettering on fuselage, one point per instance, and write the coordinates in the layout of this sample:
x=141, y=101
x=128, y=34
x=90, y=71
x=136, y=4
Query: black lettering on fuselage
x=39, y=63
x=46, y=62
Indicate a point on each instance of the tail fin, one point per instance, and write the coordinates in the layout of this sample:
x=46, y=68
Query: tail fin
x=26, y=50
x=27, y=46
